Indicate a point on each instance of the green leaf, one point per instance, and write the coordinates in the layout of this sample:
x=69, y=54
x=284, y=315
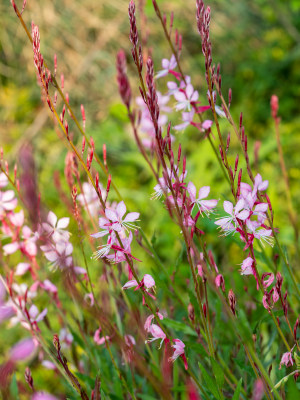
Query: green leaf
x=297, y=360
x=197, y=347
x=218, y=373
x=86, y=379
x=210, y=382
x=236, y=394
x=179, y=326
x=14, y=391
x=283, y=380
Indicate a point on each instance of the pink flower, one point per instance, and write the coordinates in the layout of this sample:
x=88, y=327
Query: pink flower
x=120, y=252
x=7, y=201
x=23, y=350
x=3, y=180
x=43, y=396
x=187, y=118
x=259, y=184
x=203, y=205
x=55, y=228
x=48, y=364
x=89, y=198
x=6, y=310
x=179, y=352
x=267, y=282
x=27, y=245
x=228, y=224
x=22, y=268
x=100, y=340
x=129, y=340
x=157, y=333
x=173, y=87
x=167, y=66
x=89, y=298
x=206, y=124
x=149, y=320
x=66, y=338
x=286, y=359
x=246, y=267
x=145, y=285
x=59, y=254
x=262, y=234
x=185, y=97
x=219, y=281
x=114, y=220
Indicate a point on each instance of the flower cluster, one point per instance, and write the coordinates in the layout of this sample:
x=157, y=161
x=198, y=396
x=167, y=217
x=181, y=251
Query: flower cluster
x=248, y=216
x=186, y=97
x=115, y=227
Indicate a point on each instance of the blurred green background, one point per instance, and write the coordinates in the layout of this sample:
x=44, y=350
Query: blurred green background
x=258, y=45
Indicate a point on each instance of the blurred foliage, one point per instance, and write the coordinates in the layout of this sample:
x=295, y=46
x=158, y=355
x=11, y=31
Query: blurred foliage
x=258, y=46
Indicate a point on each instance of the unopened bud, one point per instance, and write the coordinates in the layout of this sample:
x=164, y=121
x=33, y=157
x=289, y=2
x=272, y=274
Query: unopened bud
x=274, y=106
x=232, y=301
x=28, y=378
x=191, y=312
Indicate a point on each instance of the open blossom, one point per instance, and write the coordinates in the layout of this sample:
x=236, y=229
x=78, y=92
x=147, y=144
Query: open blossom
x=3, y=180
x=100, y=340
x=65, y=337
x=60, y=254
x=149, y=320
x=26, y=244
x=167, y=66
x=147, y=282
x=163, y=185
x=157, y=334
x=259, y=232
x=146, y=124
x=203, y=205
x=228, y=224
x=145, y=285
x=187, y=118
x=43, y=396
x=185, y=97
x=6, y=310
x=114, y=220
x=246, y=267
x=8, y=202
x=56, y=228
x=286, y=359
x=179, y=352
x=207, y=124
x=89, y=198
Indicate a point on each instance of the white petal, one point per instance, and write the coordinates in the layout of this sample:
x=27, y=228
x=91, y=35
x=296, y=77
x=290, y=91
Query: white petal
x=22, y=268
x=228, y=207
x=33, y=311
x=10, y=248
x=149, y=282
x=63, y=223
x=204, y=192
x=111, y=215
x=133, y=216
x=191, y=188
x=239, y=205
x=121, y=209
x=209, y=204
x=243, y=215
x=52, y=218
x=42, y=315
x=8, y=195
x=261, y=207
x=130, y=284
